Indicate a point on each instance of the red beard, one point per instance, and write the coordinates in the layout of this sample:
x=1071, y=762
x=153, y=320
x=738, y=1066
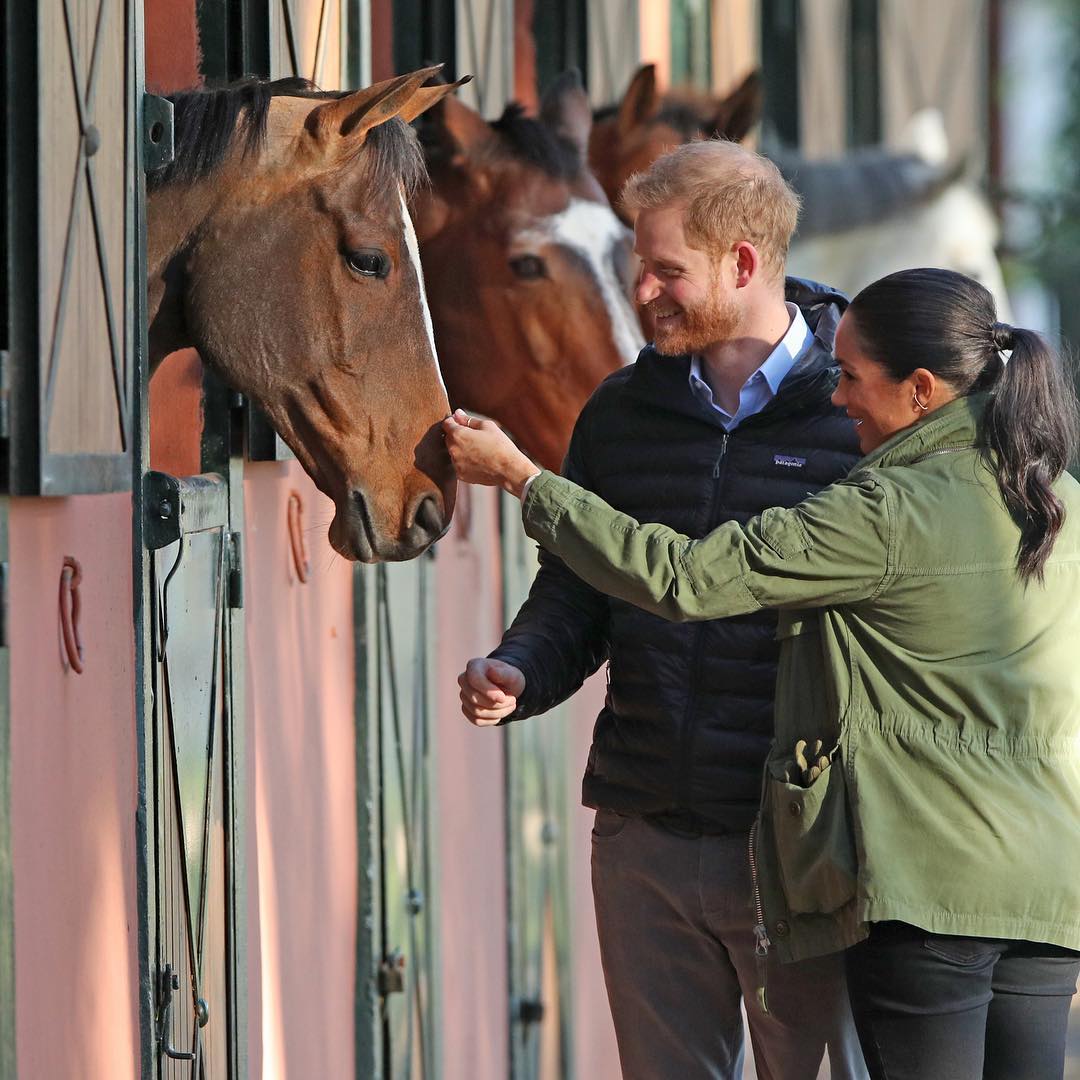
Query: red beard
x=695, y=328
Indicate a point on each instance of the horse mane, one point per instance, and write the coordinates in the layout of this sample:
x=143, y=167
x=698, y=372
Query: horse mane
x=864, y=187
x=688, y=117
x=527, y=139
x=207, y=122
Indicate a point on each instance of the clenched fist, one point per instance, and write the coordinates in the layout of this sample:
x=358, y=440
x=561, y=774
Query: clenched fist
x=489, y=690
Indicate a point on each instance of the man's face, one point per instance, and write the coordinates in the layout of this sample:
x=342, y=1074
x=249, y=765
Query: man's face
x=684, y=289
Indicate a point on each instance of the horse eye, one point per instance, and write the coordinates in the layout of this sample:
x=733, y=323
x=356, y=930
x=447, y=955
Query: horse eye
x=528, y=267
x=369, y=263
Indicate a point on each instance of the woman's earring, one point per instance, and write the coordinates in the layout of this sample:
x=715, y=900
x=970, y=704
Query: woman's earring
x=918, y=403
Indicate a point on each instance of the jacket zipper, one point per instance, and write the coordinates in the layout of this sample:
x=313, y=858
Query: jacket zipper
x=699, y=639
x=716, y=472
x=761, y=935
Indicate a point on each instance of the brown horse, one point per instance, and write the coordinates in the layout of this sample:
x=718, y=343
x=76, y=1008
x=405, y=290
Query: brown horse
x=629, y=137
x=529, y=271
x=281, y=248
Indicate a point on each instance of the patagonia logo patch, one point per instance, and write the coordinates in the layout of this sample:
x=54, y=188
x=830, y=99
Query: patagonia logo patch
x=788, y=461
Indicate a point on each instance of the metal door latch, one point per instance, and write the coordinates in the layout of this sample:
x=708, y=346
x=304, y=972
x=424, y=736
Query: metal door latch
x=168, y=981
x=391, y=978
x=530, y=1011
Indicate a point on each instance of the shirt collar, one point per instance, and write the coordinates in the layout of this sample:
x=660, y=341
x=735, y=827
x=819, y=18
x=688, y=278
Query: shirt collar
x=792, y=345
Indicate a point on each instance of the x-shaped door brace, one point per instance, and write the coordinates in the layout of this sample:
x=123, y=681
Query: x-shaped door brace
x=89, y=143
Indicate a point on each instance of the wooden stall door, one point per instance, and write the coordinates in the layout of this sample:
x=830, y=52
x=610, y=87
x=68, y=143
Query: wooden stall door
x=69, y=160
x=483, y=32
x=538, y=838
x=193, y=586
x=614, y=48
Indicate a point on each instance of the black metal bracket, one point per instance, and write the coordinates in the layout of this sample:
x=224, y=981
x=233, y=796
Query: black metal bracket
x=157, y=132
x=529, y=1011
x=5, y=394
x=178, y=506
x=234, y=567
x=3, y=605
x=168, y=981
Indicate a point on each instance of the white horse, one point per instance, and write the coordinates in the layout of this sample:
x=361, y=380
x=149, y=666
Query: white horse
x=874, y=212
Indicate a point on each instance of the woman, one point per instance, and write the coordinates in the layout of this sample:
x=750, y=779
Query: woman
x=922, y=797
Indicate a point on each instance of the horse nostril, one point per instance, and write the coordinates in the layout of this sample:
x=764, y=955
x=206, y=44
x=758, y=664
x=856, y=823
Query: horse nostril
x=428, y=516
x=363, y=512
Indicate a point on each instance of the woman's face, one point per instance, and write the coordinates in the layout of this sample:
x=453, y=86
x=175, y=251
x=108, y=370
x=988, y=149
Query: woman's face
x=879, y=405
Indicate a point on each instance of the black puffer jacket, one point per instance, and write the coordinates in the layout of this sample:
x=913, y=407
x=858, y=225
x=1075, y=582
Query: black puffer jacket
x=688, y=716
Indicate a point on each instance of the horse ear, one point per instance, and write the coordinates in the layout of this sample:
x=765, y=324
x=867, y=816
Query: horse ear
x=427, y=96
x=640, y=103
x=565, y=110
x=353, y=115
x=464, y=127
x=737, y=114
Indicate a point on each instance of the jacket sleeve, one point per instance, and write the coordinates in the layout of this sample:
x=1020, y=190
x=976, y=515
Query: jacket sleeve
x=833, y=548
x=559, y=636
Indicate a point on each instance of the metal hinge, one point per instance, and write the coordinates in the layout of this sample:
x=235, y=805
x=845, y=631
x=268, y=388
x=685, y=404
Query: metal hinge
x=234, y=569
x=5, y=394
x=157, y=132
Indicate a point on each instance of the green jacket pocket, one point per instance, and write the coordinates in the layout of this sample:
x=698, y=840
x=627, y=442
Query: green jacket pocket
x=815, y=847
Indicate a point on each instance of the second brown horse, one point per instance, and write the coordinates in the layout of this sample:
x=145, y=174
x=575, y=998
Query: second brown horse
x=529, y=271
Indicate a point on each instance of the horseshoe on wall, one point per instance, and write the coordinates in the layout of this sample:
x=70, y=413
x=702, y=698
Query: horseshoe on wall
x=301, y=562
x=70, y=608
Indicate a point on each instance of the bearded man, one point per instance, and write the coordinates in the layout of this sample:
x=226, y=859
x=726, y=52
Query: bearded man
x=723, y=415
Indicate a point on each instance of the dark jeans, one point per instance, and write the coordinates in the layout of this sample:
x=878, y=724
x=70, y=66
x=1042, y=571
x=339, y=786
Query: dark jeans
x=938, y=1007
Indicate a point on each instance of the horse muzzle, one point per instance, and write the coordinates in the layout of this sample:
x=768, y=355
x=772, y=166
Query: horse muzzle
x=358, y=534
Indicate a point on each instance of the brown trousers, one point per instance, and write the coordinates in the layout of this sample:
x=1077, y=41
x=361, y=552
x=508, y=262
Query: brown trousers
x=674, y=918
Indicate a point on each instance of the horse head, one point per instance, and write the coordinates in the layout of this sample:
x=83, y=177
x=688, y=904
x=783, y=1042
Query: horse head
x=280, y=246
x=878, y=209
x=628, y=137
x=529, y=269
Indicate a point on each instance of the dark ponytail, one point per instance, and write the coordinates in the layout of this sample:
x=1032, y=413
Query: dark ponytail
x=1031, y=426
x=946, y=323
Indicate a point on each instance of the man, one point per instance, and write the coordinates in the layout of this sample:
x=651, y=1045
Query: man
x=725, y=414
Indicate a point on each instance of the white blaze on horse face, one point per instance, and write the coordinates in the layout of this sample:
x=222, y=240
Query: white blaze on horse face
x=414, y=256
x=592, y=230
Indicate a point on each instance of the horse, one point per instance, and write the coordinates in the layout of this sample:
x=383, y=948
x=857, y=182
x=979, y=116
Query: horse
x=628, y=137
x=529, y=270
x=866, y=214
x=875, y=211
x=280, y=246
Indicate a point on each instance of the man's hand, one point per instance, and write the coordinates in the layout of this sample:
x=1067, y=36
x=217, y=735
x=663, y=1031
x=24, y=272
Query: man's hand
x=489, y=690
x=483, y=453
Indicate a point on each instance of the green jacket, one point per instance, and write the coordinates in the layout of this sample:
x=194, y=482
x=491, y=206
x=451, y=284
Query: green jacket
x=946, y=693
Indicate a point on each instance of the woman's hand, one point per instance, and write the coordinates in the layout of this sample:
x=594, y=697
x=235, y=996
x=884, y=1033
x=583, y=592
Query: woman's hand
x=483, y=454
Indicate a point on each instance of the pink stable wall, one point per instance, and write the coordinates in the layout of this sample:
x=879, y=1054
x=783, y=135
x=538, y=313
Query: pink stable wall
x=73, y=768
x=470, y=801
x=301, y=754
